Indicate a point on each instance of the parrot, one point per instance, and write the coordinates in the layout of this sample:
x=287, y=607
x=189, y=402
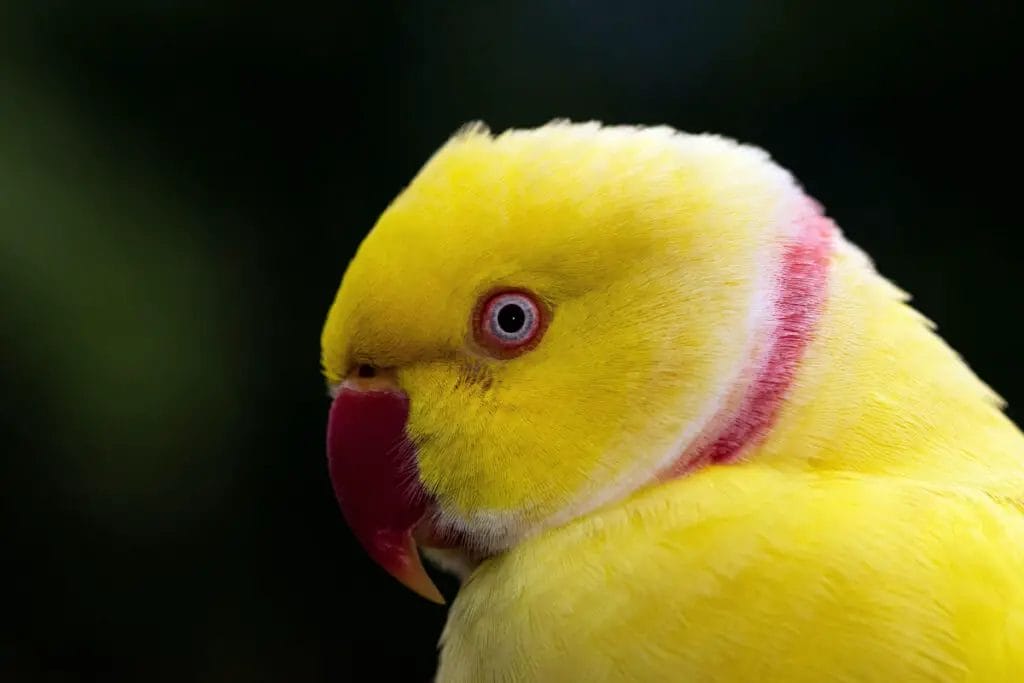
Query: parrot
x=635, y=389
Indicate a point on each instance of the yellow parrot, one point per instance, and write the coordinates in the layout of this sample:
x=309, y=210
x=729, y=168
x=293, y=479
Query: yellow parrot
x=637, y=390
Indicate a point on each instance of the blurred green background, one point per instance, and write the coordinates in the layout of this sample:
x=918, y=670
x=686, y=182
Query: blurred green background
x=182, y=184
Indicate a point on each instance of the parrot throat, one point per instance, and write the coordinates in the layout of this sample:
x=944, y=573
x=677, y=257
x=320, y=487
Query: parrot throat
x=802, y=283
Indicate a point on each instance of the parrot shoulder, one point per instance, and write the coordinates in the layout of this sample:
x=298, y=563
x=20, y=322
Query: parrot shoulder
x=749, y=573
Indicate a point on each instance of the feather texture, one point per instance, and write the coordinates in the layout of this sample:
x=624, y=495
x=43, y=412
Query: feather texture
x=746, y=573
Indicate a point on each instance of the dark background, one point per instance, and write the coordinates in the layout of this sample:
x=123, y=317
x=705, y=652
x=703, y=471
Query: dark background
x=182, y=184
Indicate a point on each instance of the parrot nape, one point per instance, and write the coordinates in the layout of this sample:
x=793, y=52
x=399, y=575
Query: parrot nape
x=637, y=391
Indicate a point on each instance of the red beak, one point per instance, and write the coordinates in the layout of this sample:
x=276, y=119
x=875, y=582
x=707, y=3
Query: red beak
x=375, y=478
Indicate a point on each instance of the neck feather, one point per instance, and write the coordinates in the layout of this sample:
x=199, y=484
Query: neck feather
x=797, y=304
x=877, y=391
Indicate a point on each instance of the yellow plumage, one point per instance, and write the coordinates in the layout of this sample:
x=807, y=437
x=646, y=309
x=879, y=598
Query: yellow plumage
x=752, y=574
x=872, y=533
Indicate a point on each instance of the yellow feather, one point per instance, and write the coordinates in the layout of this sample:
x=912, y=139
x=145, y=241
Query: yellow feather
x=879, y=392
x=751, y=574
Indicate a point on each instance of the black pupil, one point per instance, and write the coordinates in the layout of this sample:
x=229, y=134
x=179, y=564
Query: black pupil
x=511, y=318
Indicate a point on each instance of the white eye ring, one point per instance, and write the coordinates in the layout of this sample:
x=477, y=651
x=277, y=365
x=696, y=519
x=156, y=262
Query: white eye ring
x=509, y=321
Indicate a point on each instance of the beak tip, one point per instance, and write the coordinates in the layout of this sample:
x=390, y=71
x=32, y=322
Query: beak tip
x=432, y=594
x=414, y=576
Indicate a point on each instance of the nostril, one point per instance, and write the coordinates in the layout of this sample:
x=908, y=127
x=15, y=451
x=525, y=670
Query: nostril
x=367, y=371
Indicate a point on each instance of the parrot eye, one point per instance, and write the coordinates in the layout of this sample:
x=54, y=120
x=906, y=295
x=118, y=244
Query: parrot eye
x=509, y=323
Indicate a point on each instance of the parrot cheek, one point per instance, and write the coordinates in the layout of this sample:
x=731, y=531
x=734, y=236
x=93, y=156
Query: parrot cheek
x=373, y=472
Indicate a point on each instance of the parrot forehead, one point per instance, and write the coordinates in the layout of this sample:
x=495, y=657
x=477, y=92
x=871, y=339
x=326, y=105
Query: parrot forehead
x=550, y=184
x=563, y=192
x=560, y=210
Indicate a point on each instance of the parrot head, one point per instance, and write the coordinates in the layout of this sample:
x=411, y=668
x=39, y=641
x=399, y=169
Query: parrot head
x=547, y=320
